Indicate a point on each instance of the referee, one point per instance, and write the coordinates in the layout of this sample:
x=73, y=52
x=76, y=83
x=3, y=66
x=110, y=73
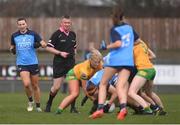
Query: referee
x=62, y=44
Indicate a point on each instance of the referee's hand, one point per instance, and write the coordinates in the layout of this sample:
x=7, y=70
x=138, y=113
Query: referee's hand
x=64, y=54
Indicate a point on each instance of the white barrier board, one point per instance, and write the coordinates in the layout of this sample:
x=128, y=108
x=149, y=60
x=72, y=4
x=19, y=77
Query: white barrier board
x=167, y=75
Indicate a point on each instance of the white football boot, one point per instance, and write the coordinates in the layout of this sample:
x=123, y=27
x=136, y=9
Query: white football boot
x=30, y=106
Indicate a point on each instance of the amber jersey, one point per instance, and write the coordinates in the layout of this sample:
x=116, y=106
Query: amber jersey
x=141, y=56
x=84, y=71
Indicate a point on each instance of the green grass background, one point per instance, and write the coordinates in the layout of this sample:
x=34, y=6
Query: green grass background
x=13, y=110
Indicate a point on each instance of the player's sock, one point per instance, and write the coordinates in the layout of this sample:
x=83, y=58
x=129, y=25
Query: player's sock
x=73, y=104
x=51, y=97
x=37, y=105
x=30, y=99
x=49, y=102
x=38, y=109
x=73, y=108
x=100, y=106
x=123, y=105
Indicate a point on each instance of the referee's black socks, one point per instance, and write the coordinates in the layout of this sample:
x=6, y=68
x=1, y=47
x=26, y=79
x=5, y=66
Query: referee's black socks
x=51, y=97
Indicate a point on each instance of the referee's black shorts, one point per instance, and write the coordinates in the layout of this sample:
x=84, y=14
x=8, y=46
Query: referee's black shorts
x=62, y=66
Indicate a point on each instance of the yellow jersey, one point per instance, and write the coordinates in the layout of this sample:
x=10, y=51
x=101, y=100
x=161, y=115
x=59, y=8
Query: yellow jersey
x=141, y=56
x=83, y=71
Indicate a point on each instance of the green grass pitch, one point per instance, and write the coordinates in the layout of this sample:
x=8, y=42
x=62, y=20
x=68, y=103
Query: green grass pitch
x=13, y=110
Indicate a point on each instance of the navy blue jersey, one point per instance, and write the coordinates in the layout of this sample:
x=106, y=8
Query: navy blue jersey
x=24, y=43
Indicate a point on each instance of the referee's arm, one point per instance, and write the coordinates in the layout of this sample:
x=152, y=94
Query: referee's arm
x=50, y=48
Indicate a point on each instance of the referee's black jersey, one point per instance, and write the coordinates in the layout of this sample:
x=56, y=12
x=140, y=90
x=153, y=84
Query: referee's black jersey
x=62, y=42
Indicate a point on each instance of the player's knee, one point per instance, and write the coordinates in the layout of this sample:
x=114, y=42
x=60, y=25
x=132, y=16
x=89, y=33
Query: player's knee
x=74, y=94
x=35, y=87
x=56, y=87
x=26, y=85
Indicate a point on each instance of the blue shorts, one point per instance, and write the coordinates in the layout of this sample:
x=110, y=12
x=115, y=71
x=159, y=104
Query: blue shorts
x=33, y=69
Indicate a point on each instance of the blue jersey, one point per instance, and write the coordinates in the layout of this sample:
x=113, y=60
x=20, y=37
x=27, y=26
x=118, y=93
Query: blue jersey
x=122, y=56
x=25, y=51
x=96, y=78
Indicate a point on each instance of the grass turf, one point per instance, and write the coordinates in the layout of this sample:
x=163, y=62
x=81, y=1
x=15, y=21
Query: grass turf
x=13, y=110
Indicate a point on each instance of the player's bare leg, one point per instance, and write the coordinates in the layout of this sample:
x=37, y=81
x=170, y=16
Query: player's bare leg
x=74, y=92
x=122, y=90
x=25, y=76
x=137, y=83
x=36, y=89
x=108, y=73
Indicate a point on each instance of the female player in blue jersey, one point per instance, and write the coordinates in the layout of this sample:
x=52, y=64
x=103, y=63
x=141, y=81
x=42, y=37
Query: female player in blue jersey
x=23, y=44
x=92, y=90
x=119, y=60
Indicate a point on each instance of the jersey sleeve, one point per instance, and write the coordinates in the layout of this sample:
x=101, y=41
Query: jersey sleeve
x=12, y=40
x=136, y=36
x=52, y=40
x=37, y=37
x=75, y=45
x=115, y=35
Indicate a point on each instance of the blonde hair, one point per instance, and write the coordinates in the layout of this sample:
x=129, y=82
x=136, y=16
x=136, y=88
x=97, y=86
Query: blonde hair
x=95, y=55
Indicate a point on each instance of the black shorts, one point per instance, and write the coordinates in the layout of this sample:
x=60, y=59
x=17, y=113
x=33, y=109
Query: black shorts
x=132, y=69
x=133, y=73
x=122, y=67
x=33, y=69
x=62, y=66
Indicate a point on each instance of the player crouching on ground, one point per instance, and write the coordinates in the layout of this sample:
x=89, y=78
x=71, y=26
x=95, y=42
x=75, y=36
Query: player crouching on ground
x=79, y=75
x=92, y=91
